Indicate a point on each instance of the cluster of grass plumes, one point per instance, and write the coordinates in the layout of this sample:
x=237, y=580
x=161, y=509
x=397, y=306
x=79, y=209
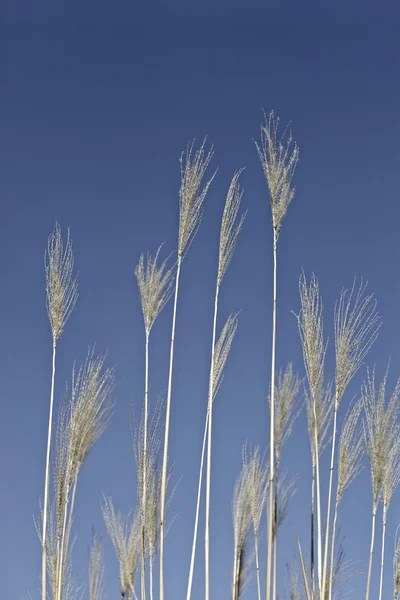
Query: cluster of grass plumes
x=368, y=431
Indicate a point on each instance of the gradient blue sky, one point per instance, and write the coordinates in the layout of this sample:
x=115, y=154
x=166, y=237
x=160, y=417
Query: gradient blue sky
x=97, y=100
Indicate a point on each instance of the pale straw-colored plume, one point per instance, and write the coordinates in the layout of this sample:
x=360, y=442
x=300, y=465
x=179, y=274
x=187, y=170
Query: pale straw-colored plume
x=319, y=417
x=231, y=225
x=311, y=330
x=294, y=582
x=396, y=566
x=286, y=409
x=89, y=410
x=285, y=490
x=310, y=323
x=61, y=296
x=91, y=406
x=125, y=537
x=221, y=353
x=61, y=459
x=96, y=569
x=61, y=286
x=351, y=450
x=381, y=427
x=357, y=323
x=241, y=516
x=155, y=283
x=192, y=193
x=256, y=473
x=381, y=431
x=279, y=158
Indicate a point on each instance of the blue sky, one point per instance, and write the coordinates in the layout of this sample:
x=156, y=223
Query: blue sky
x=98, y=100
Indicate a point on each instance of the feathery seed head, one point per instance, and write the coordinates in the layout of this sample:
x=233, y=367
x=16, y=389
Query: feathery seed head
x=155, y=287
x=356, y=328
x=61, y=286
x=286, y=412
x=91, y=407
x=381, y=428
x=96, y=569
x=230, y=226
x=125, y=537
x=351, y=450
x=311, y=329
x=319, y=414
x=256, y=473
x=284, y=492
x=221, y=352
x=279, y=158
x=192, y=193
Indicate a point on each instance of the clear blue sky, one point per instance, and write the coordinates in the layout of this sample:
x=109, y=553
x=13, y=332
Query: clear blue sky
x=97, y=101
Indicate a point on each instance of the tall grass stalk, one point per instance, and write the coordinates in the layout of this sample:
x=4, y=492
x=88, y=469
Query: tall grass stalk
x=192, y=194
x=230, y=229
x=278, y=158
x=155, y=286
x=61, y=297
x=310, y=322
x=356, y=329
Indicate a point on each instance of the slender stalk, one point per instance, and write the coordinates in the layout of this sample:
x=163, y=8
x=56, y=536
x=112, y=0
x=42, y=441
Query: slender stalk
x=196, y=520
x=166, y=437
x=274, y=563
x=151, y=577
x=257, y=568
x=234, y=585
x=383, y=552
x=144, y=471
x=303, y=568
x=47, y=476
x=312, y=532
x=272, y=432
x=332, y=552
x=328, y=512
x=371, y=553
x=209, y=439
x=319, y=531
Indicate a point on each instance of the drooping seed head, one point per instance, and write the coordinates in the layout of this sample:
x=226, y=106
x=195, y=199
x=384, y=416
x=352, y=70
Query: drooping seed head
x=125, y=537
x=351, y=450
x=286, y=411
x=221, y=352
x=230, y=226
x=91, y=407
x=155, y=287
x=381, y=428
x=192, y=193
x=256, y=473
x=61, y=286
x=356, y=328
